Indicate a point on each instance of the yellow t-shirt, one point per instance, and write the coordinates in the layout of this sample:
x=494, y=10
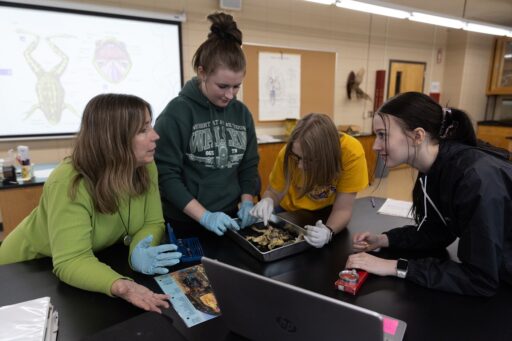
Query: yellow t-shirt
x=353, y=178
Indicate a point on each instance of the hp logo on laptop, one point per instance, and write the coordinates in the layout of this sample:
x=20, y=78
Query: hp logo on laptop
x=286, y=324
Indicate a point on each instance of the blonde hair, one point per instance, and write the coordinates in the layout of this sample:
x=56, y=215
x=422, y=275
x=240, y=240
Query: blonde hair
x=103, y=153
x=321, y=152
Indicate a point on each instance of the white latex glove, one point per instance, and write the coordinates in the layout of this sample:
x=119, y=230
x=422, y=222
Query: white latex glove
x=317, y=235
x=263, y=210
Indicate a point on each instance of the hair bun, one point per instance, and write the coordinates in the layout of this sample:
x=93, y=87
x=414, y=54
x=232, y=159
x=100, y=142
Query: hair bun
x=224, y=27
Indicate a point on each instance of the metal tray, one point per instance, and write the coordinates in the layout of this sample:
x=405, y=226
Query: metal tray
x=276, y=253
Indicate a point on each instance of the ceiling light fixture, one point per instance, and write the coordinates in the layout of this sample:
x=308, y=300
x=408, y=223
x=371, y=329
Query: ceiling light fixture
x=436, y=20
x=486, y=28
x=323, y=2
x=401, y=12
x=373, y=8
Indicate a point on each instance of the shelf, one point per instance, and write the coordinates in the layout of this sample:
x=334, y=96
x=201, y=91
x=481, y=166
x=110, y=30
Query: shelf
x=500, y=82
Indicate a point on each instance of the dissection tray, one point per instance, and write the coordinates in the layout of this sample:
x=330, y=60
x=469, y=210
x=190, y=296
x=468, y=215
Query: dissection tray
x=279, y=239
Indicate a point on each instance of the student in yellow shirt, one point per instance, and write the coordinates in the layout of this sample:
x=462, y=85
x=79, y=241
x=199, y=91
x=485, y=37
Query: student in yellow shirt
x=317, y=168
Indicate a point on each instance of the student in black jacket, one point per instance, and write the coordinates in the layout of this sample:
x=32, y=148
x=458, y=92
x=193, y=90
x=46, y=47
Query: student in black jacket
x=463, y=190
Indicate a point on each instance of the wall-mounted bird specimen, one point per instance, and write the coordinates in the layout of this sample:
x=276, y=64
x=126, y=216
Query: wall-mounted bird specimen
x=354, y=80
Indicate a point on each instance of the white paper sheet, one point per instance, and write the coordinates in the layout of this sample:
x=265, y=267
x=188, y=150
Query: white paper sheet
x=34, y=320
x=396, y=208
x=279, y=86
x=267, y=139
x=43, y=173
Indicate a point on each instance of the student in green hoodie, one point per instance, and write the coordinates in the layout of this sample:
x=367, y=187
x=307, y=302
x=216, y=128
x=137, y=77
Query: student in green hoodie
x=207, y=154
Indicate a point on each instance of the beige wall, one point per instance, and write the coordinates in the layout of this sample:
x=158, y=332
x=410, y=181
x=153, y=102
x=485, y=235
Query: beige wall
x=467, y=67
x=360, y=41
x=477, y=64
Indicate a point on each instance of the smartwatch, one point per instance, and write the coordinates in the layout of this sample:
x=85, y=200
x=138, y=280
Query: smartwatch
x=401, y=267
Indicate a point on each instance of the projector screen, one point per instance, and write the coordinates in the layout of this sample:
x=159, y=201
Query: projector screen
x=54, y=60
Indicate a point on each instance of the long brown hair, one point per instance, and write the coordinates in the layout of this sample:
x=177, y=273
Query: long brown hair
x=103, y=153
x=222, y=48
x=321, y=152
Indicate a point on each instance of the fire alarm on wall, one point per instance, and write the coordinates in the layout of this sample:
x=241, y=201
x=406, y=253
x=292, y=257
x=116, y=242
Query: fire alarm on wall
x=232, y=5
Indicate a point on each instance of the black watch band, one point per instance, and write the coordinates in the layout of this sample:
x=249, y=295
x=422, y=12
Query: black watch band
x=402, y=265
x=332, y=232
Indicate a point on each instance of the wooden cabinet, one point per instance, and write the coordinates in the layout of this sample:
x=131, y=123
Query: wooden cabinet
x=500, y=80
x=495, y=135
x=16, y=203
x=371, y=156
x=268, y=154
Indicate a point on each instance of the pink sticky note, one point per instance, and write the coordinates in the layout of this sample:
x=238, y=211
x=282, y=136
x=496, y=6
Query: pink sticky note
x=390, y=325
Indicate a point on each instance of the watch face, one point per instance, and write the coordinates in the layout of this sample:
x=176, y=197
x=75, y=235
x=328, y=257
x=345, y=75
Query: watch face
x=401, y=268
x=402, y=264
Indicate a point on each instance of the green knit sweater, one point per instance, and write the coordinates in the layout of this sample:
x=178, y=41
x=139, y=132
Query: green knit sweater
x=71, y=231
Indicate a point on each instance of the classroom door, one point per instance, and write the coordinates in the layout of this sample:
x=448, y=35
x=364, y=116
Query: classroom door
x=405, y=76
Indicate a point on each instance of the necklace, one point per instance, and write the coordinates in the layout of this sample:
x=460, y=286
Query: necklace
x=127, y=239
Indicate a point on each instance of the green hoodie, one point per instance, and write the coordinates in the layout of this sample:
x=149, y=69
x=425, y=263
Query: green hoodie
x=205, y=152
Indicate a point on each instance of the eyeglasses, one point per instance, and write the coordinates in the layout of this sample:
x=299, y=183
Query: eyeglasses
x=298, y=158
x=295, y=157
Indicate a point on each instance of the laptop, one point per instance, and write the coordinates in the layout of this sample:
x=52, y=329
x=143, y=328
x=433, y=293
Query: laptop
x=260, y=308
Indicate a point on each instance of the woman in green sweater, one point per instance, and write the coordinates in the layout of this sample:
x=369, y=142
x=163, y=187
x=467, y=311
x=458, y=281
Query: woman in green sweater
x=105, y=193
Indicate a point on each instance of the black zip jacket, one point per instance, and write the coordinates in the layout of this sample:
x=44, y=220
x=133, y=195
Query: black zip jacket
x=472, y=189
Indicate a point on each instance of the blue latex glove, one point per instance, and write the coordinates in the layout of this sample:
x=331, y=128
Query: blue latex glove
x=244, y=213
x=152, y=260
x=218, y=222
